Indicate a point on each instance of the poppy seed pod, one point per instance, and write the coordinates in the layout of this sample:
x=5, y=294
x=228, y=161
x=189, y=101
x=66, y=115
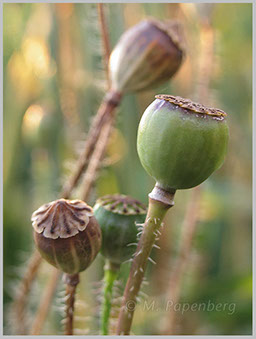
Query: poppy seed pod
x=181, y=143
x=117, y=216
x=146, y=55
x=67, y=234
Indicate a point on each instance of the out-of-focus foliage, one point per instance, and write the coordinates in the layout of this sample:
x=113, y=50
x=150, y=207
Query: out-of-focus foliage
x=53, y=83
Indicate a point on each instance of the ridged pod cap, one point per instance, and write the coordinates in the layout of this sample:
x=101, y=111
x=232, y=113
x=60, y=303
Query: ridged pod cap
x=117, y=216
x=181, y=143
x=67, y=234
x=146, y=55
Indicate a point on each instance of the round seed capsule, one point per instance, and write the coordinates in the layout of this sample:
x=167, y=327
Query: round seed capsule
x=181, y=143
x=67, y=234
x=118, y=216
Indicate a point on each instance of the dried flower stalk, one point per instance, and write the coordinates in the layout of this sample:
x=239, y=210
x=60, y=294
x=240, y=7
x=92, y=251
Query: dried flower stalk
x=19, y=305
x=188, y=232
x=45, y=303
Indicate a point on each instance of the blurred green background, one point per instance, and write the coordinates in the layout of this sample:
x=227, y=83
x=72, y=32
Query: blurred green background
x=54, y=81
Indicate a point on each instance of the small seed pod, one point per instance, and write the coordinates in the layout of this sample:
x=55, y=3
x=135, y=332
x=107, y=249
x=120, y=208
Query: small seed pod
x=117, y=216
x=67, y=234
x=181, y=143
x=147, y=54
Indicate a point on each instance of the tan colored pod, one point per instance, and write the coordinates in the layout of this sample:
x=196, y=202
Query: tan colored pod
x=67, y=234
x=146, y=55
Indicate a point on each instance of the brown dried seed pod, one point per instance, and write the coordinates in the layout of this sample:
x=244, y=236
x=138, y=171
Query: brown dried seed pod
x=67, y=234
x=147, y=54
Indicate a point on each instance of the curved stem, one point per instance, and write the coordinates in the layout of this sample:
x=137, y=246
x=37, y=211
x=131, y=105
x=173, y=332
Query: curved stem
x=110, y=274
x=159, y=203
x=71, y=280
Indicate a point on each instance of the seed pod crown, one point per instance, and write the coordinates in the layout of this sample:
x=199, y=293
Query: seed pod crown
x=117, y=216
x=191, y=106
x=122, y=204
x=61, y=218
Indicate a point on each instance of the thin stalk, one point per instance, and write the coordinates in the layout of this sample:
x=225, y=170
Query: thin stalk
x=19, y=305
x=105, y=39
x=206, y=62
x=107, y=108
x=159, y=203
x=45, y=303
x=110, y=274
x=71, y=280
x=104, y=116
x=189, y=228
x=96, y=158
x=101, y=128
x=109, y=103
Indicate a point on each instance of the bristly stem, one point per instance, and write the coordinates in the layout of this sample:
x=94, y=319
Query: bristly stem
x=159, y=203
x=110, y=274
x=106, y=109
x=103, y=117
x=71, y=283
x=102, y=120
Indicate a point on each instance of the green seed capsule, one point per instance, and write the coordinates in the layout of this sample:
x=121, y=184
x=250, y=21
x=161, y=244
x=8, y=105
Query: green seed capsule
x=181, y=143
x=67, y=234
x=117, y=216
x=147, y=54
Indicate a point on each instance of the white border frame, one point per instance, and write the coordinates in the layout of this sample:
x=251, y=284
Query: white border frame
x=253, y=148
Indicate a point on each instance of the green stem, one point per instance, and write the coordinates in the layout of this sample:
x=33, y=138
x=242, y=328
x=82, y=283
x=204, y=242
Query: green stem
x=110, y=274
x=159, y=203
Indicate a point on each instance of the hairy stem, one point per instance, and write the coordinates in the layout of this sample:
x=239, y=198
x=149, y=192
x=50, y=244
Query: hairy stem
x=109, y=103
x=159, y=203
x=104, y=116
x=110, y=274
x=45, y=303
x=71, y=280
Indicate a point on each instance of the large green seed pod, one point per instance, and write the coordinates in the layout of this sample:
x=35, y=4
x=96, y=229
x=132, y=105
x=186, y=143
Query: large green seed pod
x=181, y=143
x=67, y=234
x=147, y=54
x=117, y=216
